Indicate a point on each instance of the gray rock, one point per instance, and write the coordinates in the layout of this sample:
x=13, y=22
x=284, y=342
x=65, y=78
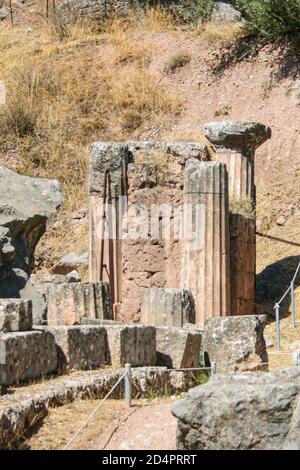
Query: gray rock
x=36, y=290
x=133, y=344
x=97, y=9
x=70, y=263
x=79, y=347
x=15, y=315
x=296, y=357
x=236, y=343
x=25, y=206
x=236, y=135
x=4, y=12
x=167, y=307
x=177, y=348
x=250, y=411
x=69, y=303
x=26, y=356
x=226, y=12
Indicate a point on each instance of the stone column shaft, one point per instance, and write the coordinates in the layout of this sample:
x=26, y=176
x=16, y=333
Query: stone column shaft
x=205, y=268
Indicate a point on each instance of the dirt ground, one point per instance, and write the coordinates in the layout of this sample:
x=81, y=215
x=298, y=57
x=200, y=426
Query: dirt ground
x=114, y=427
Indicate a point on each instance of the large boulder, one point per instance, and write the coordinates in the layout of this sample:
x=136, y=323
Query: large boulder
x=236, y=343
x=249, y=411
x=226, y=11
x=25, y=205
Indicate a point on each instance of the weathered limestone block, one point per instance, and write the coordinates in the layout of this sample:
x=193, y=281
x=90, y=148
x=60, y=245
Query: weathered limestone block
x=15, y=315
x=25, y=206
x=205, y=266
x=177, y=348
x=36, y=290
x=236, y=343
x=249, y=411
x=26, y=356
x=80, y=347
x=242, y=264
x=167, y=307
x=133, y=344
x=68, y=304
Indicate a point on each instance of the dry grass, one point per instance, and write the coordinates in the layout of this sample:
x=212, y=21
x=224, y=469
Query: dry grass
x=54, y=432
x=218, y=32
x=65, y=91
x=177, y=61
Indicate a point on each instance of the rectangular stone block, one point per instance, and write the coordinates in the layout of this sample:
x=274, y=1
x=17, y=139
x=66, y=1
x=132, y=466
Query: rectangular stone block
x=177, y=348
x=167, y=307
x=26, y=356
x=68, y=304
x=80, y=347
x=15, y=315
x=236, y=343
x=133, y=344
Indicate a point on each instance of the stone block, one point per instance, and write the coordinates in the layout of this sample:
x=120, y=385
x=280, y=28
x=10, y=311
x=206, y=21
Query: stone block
x=133, y=344
x=15, y=315
x=26, y=356
x=36, y=290
x=177, y=348
x=249, y=411
x=68, y=304
x=236, y=343
x=79, y=347
x=167, y=307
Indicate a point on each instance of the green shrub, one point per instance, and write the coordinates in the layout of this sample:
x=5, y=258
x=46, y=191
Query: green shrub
x=273, y=19
x=193, y=11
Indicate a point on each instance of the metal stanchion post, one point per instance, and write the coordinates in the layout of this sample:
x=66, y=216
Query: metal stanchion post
x=293, y=304
x=127, y=380
x=277, y=311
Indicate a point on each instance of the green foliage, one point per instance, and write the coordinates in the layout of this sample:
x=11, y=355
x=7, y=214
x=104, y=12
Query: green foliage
x=193, y=11
x=273, y=19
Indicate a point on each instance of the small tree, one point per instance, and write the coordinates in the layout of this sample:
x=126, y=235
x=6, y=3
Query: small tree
x=273, y=19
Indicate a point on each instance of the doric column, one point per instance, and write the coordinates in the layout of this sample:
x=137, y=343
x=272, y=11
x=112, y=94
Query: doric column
x=235, y=144
x=205, y=267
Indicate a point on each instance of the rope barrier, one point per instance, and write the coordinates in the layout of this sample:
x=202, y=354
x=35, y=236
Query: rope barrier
x=290, y=289
x=94, y=412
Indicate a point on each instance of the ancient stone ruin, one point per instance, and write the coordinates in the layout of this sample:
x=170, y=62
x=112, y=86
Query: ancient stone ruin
x=171, y=261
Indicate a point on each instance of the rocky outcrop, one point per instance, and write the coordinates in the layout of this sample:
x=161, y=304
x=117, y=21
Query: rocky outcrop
x=226, y=11
x=25, y=206
x=250, y=411
x=72, y=9
x=236, y=343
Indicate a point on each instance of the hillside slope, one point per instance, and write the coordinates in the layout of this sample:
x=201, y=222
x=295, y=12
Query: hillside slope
x=119, y=83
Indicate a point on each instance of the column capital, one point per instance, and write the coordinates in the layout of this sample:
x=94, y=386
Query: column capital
x=243, y=137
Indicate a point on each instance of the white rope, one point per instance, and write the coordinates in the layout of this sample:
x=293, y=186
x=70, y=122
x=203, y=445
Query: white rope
x=94, y=412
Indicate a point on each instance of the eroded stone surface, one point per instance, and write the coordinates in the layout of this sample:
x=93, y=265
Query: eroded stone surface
x=26, y=356
x=133, y=344
x=80, y=347
x=15, y=315
x=249, y=411
x=36, y=290
x=25, y=205
x=237, y=135
x=236, y=343
x=68, y=304
x=177, y=348
x=167, y=307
